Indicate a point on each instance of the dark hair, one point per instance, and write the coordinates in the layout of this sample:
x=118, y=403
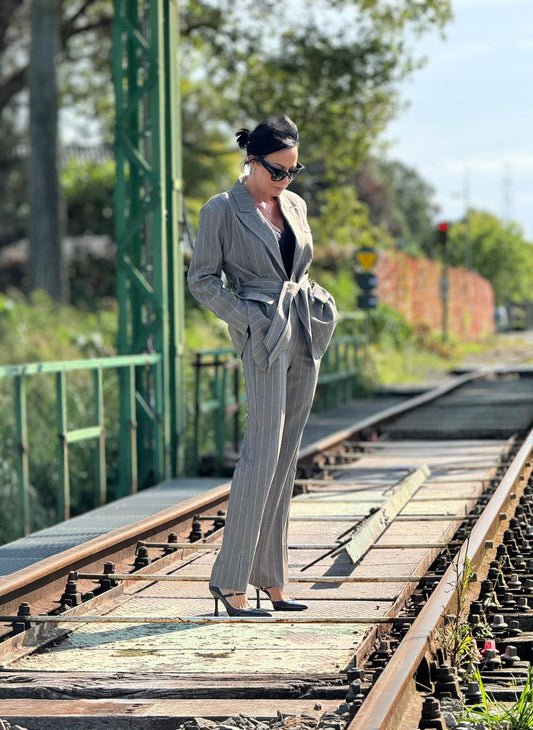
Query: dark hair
x=275, y=133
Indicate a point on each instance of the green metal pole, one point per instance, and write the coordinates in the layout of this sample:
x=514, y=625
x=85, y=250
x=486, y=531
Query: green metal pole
x=128, y=477
x=158, y=241
x=101, y=478
x=63, y=499
x=148, y=209
x=176, y=281
x=23, y=448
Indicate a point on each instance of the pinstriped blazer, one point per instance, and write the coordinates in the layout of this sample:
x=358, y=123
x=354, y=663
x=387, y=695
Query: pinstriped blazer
x=256, y=297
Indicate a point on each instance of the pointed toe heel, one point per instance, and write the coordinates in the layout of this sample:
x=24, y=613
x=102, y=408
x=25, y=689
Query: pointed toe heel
x=232, y=611
x=285, y=605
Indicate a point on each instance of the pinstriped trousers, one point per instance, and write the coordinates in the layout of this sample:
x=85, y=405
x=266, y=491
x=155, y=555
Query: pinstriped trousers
x=254, y=548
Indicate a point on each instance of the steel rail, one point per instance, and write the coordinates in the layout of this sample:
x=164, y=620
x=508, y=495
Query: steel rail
x=94, y=549
x=386, y=701
x=328, y=442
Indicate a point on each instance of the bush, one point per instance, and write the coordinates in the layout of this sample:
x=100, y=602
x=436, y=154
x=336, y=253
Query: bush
x=38, y=330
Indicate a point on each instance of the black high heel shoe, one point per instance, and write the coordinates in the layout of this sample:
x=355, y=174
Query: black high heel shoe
x=285, y=605
x=232, y=611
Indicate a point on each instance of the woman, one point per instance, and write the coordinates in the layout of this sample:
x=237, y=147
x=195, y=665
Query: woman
x=257, y=235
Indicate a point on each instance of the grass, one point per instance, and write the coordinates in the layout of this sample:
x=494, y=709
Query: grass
x=503, y=716
x=427, y=361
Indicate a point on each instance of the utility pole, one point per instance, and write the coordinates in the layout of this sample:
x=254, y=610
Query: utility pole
x=468, y=221
x=444, y=281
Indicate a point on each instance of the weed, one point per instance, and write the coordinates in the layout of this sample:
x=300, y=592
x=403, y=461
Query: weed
x=499, y=716
x=455, y=637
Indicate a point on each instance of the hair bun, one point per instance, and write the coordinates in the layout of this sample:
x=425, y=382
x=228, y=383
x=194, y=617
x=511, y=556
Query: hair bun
x=243, y=135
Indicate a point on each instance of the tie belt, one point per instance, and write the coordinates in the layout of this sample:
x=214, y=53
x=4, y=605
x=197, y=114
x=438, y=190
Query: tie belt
x=285, y=293
x=258, y=288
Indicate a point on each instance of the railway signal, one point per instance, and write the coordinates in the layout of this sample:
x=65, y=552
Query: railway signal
x=365, y=278
x=443, y=235
x=366, y=281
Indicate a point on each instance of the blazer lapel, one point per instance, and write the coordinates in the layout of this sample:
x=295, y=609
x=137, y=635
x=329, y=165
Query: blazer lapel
x=248, y=214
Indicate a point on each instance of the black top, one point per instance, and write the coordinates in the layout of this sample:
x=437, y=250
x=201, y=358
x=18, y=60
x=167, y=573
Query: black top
x=287, y=244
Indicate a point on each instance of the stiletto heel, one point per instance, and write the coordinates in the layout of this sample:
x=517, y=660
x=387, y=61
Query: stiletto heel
x=258, y=598
x=232, y=611
x=284, y=605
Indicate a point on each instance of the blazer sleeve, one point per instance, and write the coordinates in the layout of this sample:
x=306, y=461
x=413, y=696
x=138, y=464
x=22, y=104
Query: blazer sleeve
x=205, y=271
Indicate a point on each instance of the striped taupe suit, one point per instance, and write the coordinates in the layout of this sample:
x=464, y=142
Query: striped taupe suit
x=281, y=328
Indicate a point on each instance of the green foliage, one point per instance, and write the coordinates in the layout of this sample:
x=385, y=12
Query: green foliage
x=38, y=330
x=455, y=637
x=205, y=331
x=401, y=201
x=340, y=216
x=503, y=716
x=389, y=327
x=87, y=188
x=498, y=251
x=14, y=208
x=336, y=74
x=209, y=163
x=84, y=74
x=340, y=226
x=404, y=353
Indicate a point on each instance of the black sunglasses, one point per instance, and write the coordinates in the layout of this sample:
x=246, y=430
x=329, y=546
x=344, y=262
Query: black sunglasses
x=276, y=173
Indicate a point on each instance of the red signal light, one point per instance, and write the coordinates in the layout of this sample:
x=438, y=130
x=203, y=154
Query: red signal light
x=443, y=227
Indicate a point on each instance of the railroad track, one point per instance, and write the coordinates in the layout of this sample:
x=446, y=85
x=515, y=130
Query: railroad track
x=386, y=515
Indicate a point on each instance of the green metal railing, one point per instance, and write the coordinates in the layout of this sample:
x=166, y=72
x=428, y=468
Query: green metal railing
x=103, y=405
x=340, y=372
x=129, y=369
x=220, y=397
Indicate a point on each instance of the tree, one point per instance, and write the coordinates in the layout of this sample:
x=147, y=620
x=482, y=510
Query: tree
x=400, y=199
x=336, y=71
x=335, y=246
x=498, y=251
x=45, y=233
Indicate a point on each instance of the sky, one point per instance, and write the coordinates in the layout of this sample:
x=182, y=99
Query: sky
x=469, y=126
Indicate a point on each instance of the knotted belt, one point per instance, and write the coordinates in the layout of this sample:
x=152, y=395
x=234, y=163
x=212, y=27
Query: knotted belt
x=279, y=331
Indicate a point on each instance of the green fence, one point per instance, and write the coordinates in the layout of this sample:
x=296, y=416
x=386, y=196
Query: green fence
x=69, y=431
x=219, y=392
x=28, y=427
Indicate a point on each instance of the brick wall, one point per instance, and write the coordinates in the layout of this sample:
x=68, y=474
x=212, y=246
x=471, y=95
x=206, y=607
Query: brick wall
x=412, y=287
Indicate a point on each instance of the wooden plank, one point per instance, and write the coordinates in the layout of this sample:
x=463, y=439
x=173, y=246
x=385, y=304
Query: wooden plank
x=82, y=714
x=41, y=685
x=376, y=524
